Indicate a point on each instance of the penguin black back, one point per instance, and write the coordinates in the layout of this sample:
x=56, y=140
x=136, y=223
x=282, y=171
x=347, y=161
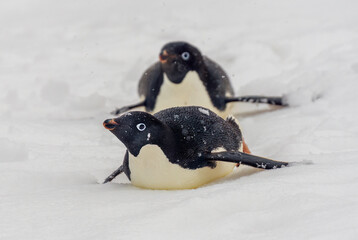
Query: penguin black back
x=198, y=131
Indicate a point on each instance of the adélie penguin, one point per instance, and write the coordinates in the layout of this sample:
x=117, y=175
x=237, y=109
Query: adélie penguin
x=180, y=148
x=185, y=77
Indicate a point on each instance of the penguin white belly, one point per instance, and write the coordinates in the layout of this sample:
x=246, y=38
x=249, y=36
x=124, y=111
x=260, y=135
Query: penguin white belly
x=151, y=169
x=190, y=92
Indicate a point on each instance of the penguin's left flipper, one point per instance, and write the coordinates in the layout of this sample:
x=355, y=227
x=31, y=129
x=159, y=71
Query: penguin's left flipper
x=126, y=108
x=246, y=159
x=278, y=101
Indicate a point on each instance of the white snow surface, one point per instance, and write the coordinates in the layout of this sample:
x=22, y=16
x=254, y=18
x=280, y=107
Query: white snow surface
x=64, y=65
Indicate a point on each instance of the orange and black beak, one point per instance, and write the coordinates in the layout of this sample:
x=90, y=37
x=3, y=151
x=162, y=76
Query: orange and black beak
x=110, y=124
x=163, y=56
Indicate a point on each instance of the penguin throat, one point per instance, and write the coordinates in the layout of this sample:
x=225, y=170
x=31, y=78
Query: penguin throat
x=175, y=78
x=176, y=74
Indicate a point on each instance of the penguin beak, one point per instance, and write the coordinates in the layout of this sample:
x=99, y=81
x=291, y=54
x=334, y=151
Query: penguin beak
x=163, y=56
x=110, y=124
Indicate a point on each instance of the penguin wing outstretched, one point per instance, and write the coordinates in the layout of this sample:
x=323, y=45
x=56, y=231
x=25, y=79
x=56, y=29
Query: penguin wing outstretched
x=246, y=159
x=149, y=87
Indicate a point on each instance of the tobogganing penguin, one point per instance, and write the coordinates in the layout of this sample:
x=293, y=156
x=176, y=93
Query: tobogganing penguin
x=185, y=77
x=180, y=148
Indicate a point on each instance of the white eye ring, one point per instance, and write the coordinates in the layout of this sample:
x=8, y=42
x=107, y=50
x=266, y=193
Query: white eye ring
x=141, y=127
x=185, y=56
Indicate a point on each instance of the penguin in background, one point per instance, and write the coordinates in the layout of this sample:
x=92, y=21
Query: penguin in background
x=180, y=148
x=185, y=77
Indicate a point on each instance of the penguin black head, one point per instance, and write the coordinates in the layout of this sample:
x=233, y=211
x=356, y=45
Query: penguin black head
x=136, y=129
x=177, y=58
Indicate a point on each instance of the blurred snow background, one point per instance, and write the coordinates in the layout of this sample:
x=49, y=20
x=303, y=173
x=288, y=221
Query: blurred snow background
x=64, y=65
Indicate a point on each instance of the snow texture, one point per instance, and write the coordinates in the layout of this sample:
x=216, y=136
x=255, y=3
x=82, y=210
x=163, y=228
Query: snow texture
x=64, y=65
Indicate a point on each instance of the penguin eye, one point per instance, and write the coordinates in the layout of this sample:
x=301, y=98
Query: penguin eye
x=185, y=56
x=141, y=127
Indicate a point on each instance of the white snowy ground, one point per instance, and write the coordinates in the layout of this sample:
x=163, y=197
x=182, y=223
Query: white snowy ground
x=64, y=65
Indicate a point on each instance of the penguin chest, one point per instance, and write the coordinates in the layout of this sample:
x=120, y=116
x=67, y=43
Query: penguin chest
x=190, y=92
x=152, y=169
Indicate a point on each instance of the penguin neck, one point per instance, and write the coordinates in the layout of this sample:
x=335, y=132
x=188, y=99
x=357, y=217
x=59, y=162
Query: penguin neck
x=176, y=77
x=165, y=139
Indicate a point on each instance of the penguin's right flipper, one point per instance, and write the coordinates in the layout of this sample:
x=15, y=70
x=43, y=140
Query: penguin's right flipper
x=126, y=108
x=123, y=168
x=246, y=159
x=149, y=87
x=114, y=174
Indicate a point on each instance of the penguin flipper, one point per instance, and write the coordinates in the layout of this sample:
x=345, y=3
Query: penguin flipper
x=126, y=108
x=278, y=101
x=123, y=168
x=114, y=174
x=217, y=83
x=149, y=86
x=246, y=159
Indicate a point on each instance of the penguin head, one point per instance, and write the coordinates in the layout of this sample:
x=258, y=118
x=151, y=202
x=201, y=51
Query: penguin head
x=177, y=58
x=136, y=129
